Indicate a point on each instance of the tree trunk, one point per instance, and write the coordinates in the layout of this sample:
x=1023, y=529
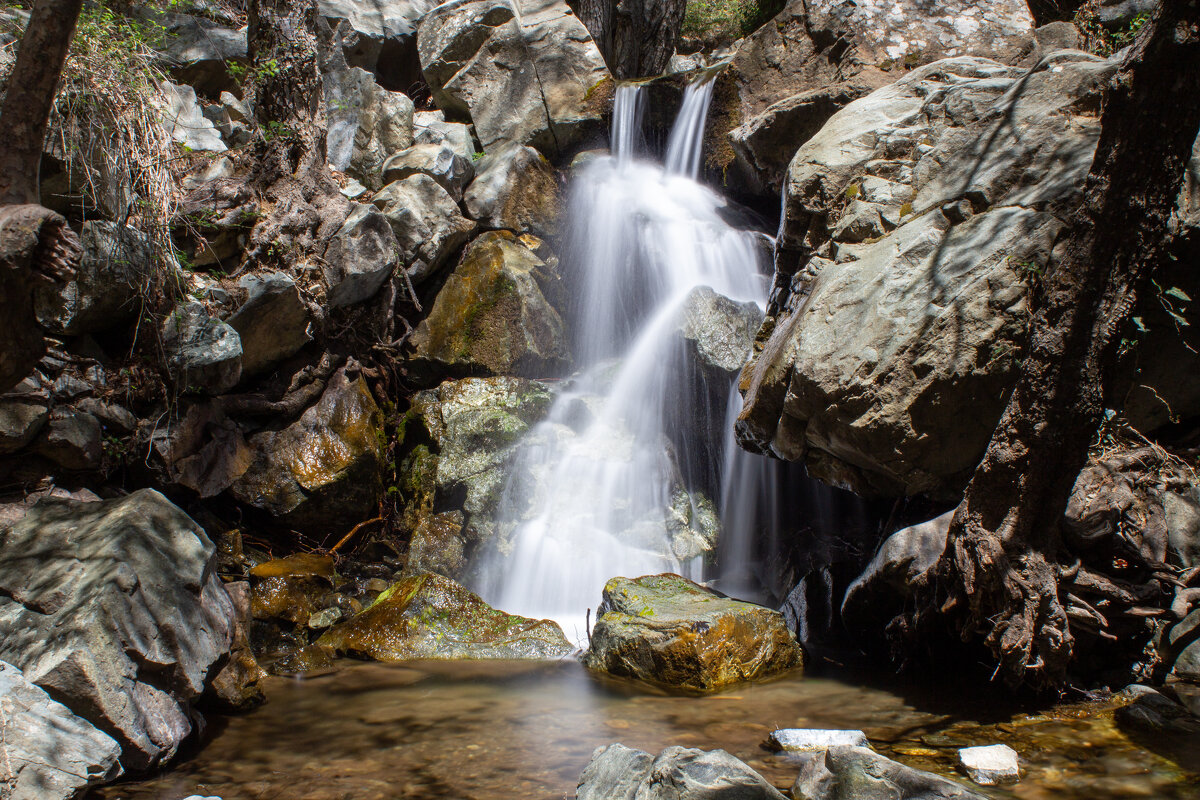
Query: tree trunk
x=636, y=37
x=998, y=578
x=30, y=96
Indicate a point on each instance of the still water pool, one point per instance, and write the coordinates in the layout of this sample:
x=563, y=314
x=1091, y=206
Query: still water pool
x=500, y=730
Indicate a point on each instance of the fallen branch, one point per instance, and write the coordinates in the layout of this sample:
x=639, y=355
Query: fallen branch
x=353, y=531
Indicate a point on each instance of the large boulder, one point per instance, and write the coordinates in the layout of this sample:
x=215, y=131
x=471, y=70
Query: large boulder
x=617, y=772
x=669, y=631
x=50, y=753
x=515, y=189
x=115, y=609
x=322, y=473
x=184, y=120
x=103, y=294
x=431, y=127
x=202, y=352
x=427, y=223
x=637, y=38
x=431, y=616
x=360, y=257
x=919, y=214
x=524, y=71
x=792, y=74
x=474, y=426
x=379, y=36
x=856, y=773
x=366, y=122
x=273, y=323
x=496, y=314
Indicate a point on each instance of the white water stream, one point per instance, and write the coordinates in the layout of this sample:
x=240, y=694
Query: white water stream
x=597, y=490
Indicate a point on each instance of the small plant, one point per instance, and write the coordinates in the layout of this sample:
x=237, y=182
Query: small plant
x=1102, y=40
x=477, y=155
x=726, y=20
x=852, y=191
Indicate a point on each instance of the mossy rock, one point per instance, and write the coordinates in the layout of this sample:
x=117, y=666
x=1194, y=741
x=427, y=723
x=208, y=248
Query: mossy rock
x=493, y=316
x=290, y=589
x=671, y=632
x=431, y=616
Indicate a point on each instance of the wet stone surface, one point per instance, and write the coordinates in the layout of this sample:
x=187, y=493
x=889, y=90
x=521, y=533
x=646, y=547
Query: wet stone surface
x=508, y=730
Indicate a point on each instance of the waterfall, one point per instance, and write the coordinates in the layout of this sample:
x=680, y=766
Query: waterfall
x=598, y=489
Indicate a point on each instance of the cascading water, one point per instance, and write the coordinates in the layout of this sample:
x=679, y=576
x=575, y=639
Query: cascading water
x=597, y=489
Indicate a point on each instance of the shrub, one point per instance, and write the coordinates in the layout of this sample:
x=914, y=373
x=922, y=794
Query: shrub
x=715, y=22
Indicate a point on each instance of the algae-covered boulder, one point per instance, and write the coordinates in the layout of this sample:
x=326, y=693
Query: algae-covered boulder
x=431, y=616
x=669, y=631
x=291, y=588
x=474, y=426
x=496, y=314
x=322, y=473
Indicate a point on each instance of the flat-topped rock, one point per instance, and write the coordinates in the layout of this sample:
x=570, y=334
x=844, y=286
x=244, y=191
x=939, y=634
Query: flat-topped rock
x=667, y=630
x=993, y=765
x=806, y=739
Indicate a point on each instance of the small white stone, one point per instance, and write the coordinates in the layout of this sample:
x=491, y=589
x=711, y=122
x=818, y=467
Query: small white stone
x=994, y=765
x=804, y=739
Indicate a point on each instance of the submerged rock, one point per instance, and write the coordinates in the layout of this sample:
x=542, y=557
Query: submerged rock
x=49, y=753
x=667, y=630
x=431, y=616
x=93, y=593
x=528, y=78
x=617, y=772
x=856, y=773
x=496, y=314
x=322, y=473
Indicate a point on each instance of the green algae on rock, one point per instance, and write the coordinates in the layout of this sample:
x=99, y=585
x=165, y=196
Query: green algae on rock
x=291, y=588
x=496, y=313
x=431, y=616
x=669, y=631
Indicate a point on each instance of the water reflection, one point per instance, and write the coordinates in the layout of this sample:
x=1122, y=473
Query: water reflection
x=526, y=730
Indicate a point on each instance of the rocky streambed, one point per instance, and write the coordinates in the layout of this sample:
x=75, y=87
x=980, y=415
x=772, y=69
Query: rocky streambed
x=527, y=729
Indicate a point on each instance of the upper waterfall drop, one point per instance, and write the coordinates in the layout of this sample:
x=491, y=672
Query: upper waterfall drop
x=599, y=488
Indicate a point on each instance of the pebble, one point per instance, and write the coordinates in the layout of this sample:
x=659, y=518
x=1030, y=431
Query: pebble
x=803, y=739
x=994, y=765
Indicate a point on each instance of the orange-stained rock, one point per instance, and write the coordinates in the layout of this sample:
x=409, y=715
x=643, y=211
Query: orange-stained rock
x=667, y=630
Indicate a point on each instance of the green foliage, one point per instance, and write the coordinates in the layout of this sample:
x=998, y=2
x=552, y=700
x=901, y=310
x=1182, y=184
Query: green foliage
x=725, y=20
x=1105, y=41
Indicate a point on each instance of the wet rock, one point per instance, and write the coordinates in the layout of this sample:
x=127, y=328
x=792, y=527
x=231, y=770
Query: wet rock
x=431, y=616
x=72, y=439
x=1153, y=712
x=200, y=52
x=440, y=161
x=718, y=332
x=50, y=753
x=993, y=765
x=367, y=123
x=20, y=421
x=856, y=773
x=807, y=739
x=437, y=546
x=379, y=36
x=495, y=314
x=321, y=473
x=238, y=686
x=666, y=630
x=203, y=352
x=360, y=257
x=677, y=773
x=475, y=425
x=116, y=262
x=185, y=121
x=891, y=374
x=291, y=589
x=324, y=618
x=272, y=324
x=92, y=593
x=787, y=78
x=1183, y=647
x=886, y=583
x=531, y=79
x=427, y=223
x=514, y=189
